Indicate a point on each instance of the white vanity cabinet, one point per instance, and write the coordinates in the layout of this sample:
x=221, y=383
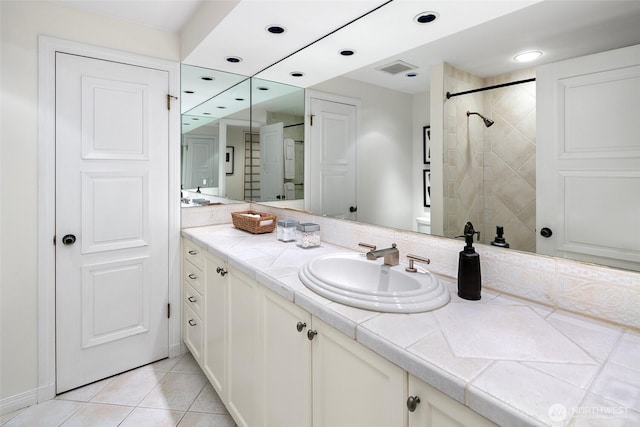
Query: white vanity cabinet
x=275, y=365
x=353, y=386
x=312, y=374
x=215, y=333
x=243, y=375
x=435, y=409
x=193, y=276
x=285, y=358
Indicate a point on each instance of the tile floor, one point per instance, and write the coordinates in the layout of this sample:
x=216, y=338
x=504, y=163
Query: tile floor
x=170, y=392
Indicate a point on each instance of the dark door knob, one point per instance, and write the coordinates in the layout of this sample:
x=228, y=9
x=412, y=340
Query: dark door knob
x=546, y=232
x=353, y=209
x=68, y=239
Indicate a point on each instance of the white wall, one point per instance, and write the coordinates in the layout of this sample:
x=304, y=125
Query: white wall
x=22, y=22
x=421, y=117
x=385, y=150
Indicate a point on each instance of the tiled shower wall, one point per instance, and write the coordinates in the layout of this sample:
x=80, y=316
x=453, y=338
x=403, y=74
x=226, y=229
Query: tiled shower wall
x=489, y=173
x=464, y=140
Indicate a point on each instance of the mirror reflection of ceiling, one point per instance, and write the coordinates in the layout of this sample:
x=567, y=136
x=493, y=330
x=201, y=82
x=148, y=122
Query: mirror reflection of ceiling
x=485, y=47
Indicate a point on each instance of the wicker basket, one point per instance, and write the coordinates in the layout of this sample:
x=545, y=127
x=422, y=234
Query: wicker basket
x=253, y=225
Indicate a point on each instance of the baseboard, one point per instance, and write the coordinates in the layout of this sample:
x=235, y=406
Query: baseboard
x=19, y=401
x=46, y=392
x=176, y=350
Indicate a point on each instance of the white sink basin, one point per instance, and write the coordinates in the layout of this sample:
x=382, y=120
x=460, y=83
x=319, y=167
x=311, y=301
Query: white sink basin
x=351, y=279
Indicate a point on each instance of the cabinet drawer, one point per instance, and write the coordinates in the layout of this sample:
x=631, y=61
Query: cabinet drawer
x=193, y=276
x=193, y=299
x=193, y=253
x=193, y=330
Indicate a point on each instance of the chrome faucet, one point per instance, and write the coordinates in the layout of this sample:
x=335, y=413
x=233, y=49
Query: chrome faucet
x=391, y=255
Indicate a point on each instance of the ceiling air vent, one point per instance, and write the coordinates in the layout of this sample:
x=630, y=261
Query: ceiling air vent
x=397, y=67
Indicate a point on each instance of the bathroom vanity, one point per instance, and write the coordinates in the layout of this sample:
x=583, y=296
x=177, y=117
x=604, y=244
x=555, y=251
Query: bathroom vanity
x=279, y=354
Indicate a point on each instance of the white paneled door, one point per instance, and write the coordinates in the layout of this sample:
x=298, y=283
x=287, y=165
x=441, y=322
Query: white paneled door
x=332, y=172
x=271, y=161
x=588, y=159
x=111, y=218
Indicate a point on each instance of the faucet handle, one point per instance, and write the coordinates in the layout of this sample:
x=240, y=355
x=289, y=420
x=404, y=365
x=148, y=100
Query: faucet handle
x=412, y=258
x=368, y=246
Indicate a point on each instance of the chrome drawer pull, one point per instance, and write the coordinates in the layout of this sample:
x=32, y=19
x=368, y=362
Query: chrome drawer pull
x=192, y=323
x=192, y=252
x=192, y=299
x=192, y=276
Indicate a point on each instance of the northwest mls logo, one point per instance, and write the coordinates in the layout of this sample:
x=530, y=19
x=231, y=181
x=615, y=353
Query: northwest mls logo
x=558, y=412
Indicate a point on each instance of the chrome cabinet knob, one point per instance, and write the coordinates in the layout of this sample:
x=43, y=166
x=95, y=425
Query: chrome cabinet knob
x=300, y=326
x=311, y=334
x=412, y=403
x=221, y=271
x=546, y=232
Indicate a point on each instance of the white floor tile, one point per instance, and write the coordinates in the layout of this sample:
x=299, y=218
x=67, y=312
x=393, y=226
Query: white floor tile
x=176, y=391
x=187, y=365
x=129, y=388
x=148, y=417
x=98, y=415
x=208, y=401
x=194, y=419
x=164, y=365
x=4, y=418
x=86, y=393
x=51, y=413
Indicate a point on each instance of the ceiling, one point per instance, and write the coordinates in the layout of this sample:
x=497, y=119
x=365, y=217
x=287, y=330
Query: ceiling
x=164, y=15
x=478, y=36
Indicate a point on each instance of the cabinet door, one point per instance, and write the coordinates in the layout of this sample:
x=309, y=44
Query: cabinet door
x=436, y=409
x=215, y=298
x=242, y=354
x=352, y=386
x=193, y=333
x=286, y=363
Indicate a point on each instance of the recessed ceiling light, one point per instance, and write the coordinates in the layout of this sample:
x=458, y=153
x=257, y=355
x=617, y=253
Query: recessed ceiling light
x=194, y=118
x=188, y=91
x=347, y=52
x=207, y=78
x=207, y=114
x=276, y=29
x=527, y=56
x=239, y=99
x=425, y=17
x=233, y=59
x=186, y=124
x=222, y=107
x=262, y=88
x=411, y=74
x=296, y=74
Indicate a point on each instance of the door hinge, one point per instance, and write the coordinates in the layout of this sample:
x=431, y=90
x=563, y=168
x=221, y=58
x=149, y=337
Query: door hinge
x=169, y=311
x=54, y=240
x=169, y=101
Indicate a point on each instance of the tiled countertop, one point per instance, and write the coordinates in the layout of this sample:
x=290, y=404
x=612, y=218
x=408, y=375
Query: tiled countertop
x=513, y=361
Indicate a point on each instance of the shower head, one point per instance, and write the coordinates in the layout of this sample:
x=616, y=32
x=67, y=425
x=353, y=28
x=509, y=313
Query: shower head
x=487, y=122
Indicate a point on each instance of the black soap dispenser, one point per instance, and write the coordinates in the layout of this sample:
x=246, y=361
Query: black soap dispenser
x=469, y=279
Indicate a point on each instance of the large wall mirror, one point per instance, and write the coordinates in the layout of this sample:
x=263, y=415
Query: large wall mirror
x=242, y=139
x=391, y=62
